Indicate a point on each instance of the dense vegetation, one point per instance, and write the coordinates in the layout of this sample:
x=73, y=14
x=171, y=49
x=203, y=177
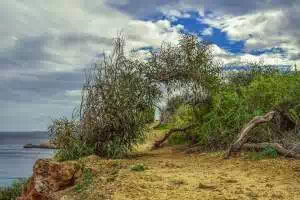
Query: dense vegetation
x=122, y=92
x=231, y=107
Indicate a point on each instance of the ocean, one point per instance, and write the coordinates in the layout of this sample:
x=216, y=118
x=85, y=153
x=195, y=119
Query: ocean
x=15, y=161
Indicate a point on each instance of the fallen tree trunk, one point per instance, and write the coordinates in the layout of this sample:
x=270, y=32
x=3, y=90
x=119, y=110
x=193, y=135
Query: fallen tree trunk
x=243, y=136
x=158, y=143
x=276, y=146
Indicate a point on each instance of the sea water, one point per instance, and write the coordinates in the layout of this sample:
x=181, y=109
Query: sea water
x=15, y=161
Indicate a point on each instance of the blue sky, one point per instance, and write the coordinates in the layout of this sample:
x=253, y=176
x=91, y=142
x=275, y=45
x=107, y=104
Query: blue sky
x=45, y=46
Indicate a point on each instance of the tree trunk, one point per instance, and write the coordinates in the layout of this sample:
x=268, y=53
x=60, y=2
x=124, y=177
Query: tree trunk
x=243, y=136
x=276, y=146
x=158, y=143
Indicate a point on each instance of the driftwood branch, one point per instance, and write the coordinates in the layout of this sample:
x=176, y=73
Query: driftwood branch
x=243, y=136
x=158, y=143
x=276, y=146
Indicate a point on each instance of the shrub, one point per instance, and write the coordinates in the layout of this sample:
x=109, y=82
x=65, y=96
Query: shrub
x=121, y=92
x=182, y=117
x=13, y=191
x=221, y=124
x=230, y=109
x=269, y=152
x=66, y=135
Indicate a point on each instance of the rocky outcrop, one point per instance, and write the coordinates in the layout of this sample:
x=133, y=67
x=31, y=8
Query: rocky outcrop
x=43, y=145
x=49, y=177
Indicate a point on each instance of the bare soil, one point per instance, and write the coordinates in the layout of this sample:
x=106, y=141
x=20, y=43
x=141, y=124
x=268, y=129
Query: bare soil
x=171, y=174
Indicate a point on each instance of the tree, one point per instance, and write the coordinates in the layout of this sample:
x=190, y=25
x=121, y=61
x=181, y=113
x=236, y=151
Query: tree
x=121, y=92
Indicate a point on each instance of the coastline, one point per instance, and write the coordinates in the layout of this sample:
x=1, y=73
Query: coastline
x=42, y=145
x=16, y=161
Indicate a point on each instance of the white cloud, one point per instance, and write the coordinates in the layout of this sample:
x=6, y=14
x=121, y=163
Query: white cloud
x=208, y=31
x=40, y=39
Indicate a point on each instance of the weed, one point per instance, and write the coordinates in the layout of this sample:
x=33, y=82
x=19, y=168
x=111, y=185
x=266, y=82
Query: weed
x=269, y=152
x=87, y=180
x=138, y=168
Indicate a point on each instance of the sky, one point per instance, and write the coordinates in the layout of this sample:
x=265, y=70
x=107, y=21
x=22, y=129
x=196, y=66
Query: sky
x=46, y=45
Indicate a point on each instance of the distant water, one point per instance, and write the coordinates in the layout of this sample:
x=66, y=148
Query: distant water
x=15, y=161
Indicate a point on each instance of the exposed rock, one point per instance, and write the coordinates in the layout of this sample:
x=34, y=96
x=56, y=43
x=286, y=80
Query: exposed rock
x=48, y=177
x=43, y=145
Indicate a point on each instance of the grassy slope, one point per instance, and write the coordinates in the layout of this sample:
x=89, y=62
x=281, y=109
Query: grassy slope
x=171, y=174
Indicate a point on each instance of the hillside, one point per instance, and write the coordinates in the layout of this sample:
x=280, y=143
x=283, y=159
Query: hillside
x=171, y=174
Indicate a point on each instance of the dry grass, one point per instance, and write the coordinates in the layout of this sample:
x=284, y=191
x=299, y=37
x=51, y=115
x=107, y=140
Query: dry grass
x=172, y=174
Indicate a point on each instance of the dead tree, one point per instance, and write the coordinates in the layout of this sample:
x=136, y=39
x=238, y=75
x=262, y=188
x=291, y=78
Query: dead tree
x=241, y=142
x=158, y=143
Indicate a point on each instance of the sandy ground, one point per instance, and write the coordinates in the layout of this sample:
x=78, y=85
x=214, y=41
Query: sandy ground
x=171, y=174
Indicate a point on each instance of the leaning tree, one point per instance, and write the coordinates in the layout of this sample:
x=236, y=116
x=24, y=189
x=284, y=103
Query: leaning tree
x=122, y=91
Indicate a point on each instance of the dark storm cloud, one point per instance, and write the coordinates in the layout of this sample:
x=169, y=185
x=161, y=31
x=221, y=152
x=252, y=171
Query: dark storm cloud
x=39, y=87
x=142, y=8
x=33, y=49
x=236, y=7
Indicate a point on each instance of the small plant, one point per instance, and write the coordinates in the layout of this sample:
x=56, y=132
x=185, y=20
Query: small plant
x=14, y=191
x=138, y=168
x=87, y=180
x=269, y=152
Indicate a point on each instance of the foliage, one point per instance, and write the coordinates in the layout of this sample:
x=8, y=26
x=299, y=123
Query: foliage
x=173, y=103
x=67, y=136
x=138, y=168
x=219, y=123
x=268, y=92
x=182, y=117
x=177, y=139
x=87, y=180
x=116, y=104
x=245, y=77
x=162, y=127
x=13, y=191
x=121, y=92
x=188, y=67
x=269, y=152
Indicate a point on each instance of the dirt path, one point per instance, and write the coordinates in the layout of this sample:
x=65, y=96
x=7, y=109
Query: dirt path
x=171, y=174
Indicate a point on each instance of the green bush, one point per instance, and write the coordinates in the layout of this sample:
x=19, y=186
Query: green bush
x=67, y=135
x=121, y=91
x=74, y=151
x=268, y=92
x=221, y=124
x=13, y=191
x=182, y=117
x=230, y=109
x=269, y=152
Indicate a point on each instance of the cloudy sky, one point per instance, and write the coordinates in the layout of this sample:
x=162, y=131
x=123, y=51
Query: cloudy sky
x=46, y=44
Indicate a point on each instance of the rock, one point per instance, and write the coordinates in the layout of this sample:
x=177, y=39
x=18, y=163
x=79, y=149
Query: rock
x=49, y=177
x=43, y=145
